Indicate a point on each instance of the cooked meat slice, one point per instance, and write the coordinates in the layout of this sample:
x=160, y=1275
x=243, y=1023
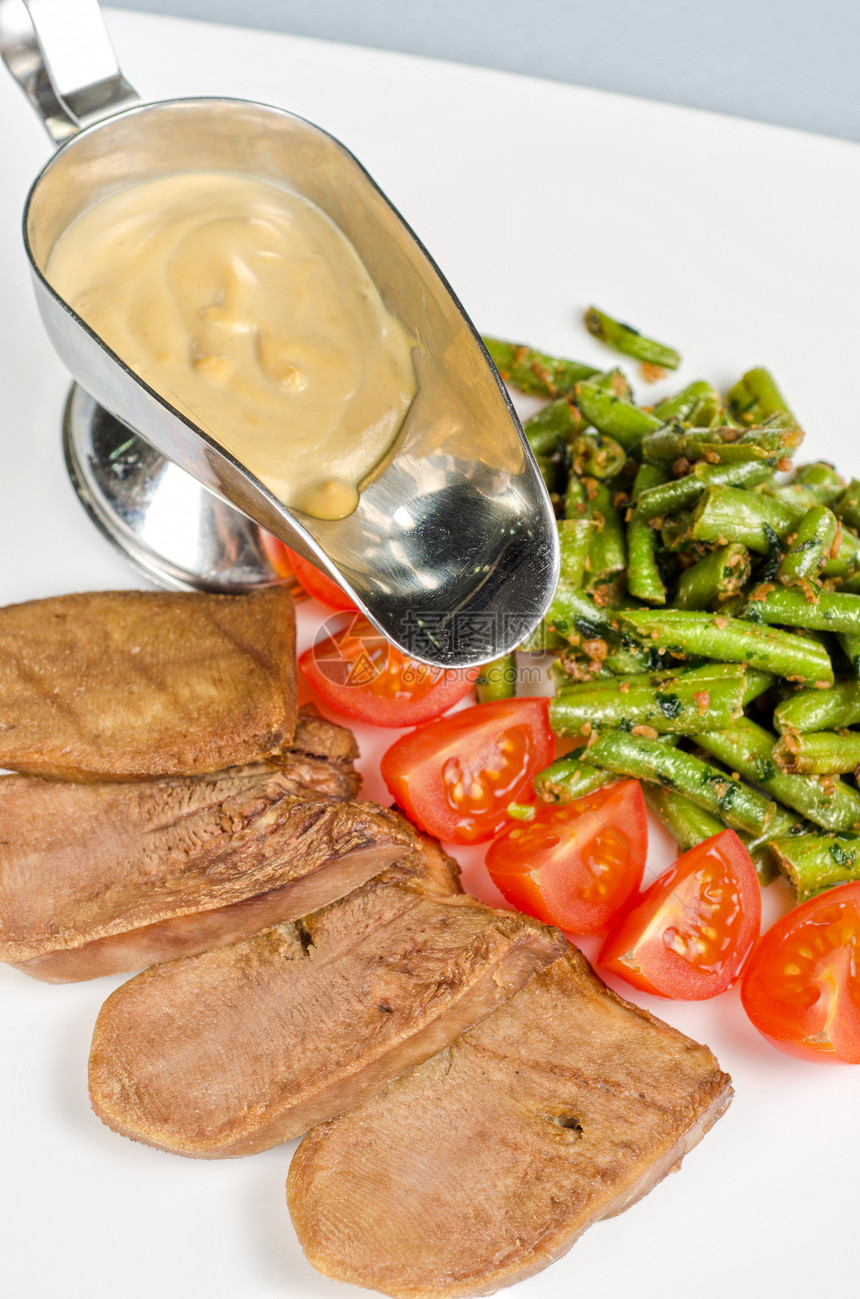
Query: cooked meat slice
x=320, y=760
x=242, y=1048
x=106, y=878
x=118, y=685
x=320, y=738
x=484, y=1164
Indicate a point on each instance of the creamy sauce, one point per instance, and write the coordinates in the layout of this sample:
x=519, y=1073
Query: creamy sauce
x=246, y=307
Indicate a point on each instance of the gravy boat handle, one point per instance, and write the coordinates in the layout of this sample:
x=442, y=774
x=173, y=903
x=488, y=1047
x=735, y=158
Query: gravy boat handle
x=60, y=54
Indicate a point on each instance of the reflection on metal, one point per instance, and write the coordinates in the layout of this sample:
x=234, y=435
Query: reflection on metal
x=453, y=550
x=173, y=530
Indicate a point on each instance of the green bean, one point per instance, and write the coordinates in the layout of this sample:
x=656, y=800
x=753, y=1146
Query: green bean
x=573, y=614
x=684, y=703
x=535, y=372
x=818, y=753
x=569, y=778
x=819, y=710
x=718, y=576
x=556, y=425
x=814, y=862
x=616, y=381
x=574, y=536
x=760, y=846
x=623, y=659
x=699, y=403
x=626, y=339
x=758, y=683
x=739, y=806
x=607, y=547
x=682, y=493
x=497, y=680
x=790, y=607
x=576, y=499
x=687, y=823
x=847, y=507
x=795, y=495
x=614, y=416
x=755, y=396
x=850, y=646
x=820, y=478
x=595, y=456
x=732, y=640
x=731, y=514
x=761, y=523
x=716, y=446
x=674, y=533
x=541, y=640
x=748, y=749
x=810, y=550
x=690, y=825
x=643, y=575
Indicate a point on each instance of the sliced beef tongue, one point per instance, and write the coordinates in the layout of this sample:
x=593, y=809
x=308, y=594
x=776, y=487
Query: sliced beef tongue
x=485, y=1163
x=317, y=737
x=320, y=762
x=107, y=878
x=124, y=685
x=239, y=1049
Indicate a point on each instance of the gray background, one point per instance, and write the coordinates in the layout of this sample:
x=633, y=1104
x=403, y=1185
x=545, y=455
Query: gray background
x=793, y=62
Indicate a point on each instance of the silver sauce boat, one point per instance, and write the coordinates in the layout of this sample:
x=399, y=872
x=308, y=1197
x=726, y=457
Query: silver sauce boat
x=452, y=551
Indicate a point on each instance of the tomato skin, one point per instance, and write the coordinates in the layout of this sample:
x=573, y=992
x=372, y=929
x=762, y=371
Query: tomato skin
x=801, y=986
x=357, y=672
x=690, y=932
x=455, y=777
x=288, y=563
x=575, y=865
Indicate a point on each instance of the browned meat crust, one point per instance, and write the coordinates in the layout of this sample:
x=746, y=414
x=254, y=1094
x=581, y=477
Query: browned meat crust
x=101, y=879
x=119, y=685
x=319, y=738
x=484, y=1164
x=242, y=1048
x=320, y=762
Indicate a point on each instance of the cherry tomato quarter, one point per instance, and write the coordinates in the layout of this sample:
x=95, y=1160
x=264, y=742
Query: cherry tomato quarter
x=801, y=987
x=576, y=864
x=288, y=563
x=455, y=777
x=357, y=672
x=690, y=932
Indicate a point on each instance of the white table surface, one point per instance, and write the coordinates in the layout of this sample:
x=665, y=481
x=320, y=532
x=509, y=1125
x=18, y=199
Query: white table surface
x=735, y=241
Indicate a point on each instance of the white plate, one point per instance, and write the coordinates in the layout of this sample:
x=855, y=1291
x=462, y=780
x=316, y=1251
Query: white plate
x=735, y=241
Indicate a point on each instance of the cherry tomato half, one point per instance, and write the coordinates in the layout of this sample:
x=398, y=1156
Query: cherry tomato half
x=575, y=864
x=361, y=675
x=801, y=987
x=456, y=777
x=287, y=563
x=692, y=929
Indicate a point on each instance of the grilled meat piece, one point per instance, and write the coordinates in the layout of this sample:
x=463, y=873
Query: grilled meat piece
x=245, y=1047
x=106, y=878
x=121, y=685
x=320, y=762
x=484, y=1164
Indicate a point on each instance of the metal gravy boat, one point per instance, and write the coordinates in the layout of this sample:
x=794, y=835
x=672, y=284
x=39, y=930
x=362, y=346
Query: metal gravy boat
x=452, y=551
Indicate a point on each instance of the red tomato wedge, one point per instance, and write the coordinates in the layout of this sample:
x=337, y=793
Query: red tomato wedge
x=287, y=563
x=691, y=931
x=801, y=987
x=357, y=672
x=575, y=864
x=456, y=777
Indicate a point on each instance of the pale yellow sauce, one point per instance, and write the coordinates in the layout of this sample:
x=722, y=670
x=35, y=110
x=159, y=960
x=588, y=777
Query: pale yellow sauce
x=247, y=308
